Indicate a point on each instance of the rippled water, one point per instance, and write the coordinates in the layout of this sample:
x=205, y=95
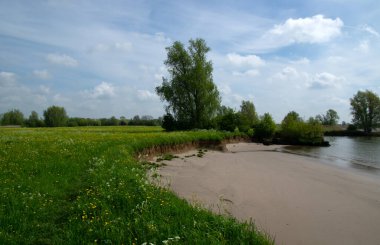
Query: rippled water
x=355, y=152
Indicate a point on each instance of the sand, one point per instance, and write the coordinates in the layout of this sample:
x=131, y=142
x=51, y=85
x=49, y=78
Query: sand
x=296, y=199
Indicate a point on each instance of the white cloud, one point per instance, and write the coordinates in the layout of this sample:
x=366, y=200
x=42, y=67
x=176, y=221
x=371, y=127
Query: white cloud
x=146, y=95
x=325, y=80
x=371, y=30
x=248, y=60
x=117, y=46
x=363, y=46
x=62, y=59
x=248, y=73
x=102, y=91
x=225, y=89
x=335, y=59
x=44, y=89
x=287, y=73
x=316, y=29
x=302, y=61
x=43, y=74
x=7, y=78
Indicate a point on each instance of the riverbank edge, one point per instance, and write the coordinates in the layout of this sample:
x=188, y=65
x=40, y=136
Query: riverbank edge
x=149, y=153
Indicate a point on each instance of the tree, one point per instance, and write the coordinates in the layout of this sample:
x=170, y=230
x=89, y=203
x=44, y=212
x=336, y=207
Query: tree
x=34, y=120
x=229, y=121
x=265, y=128
x=12, y=117
x=331, y=118
x=193, y=98
x=248, y=113
x=55, y=116
x=365, y=109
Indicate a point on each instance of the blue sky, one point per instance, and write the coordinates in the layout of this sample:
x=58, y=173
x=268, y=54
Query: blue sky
x=104, y=58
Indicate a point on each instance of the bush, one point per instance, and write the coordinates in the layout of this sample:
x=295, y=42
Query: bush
x=169, y=123
x=228, y=122
x=295, y=131
x=352, y=127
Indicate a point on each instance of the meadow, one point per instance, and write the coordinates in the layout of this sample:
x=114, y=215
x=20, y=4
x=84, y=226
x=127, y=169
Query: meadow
x=84, y=185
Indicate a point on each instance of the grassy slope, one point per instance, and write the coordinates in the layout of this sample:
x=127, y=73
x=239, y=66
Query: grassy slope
x=82, y=185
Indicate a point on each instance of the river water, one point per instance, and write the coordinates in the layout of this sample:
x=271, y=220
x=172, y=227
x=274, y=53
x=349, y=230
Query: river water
x=353, y=152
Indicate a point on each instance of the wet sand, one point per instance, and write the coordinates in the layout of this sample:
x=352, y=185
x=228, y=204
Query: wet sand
x=296, y=199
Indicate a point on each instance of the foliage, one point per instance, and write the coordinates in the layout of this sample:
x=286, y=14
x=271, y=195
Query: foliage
x=55, y=116
x=84, y=186
x=229, y=121
x=80, y=121
x=365, y=109
x=145, y=120
x=352, y=127
x=34, y=120
x=331, y=118
x=12, y=117
x=190, y=92
x=248, y=115
x=265, y=128
x=169, y=123
x=295, y=131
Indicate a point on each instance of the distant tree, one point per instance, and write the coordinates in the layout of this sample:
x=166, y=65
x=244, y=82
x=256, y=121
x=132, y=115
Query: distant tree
x=319, y=118
x=55, y=116
x=146, y=117
x=123, y=121
x=34, y=120
x=265, y=128
x=365, y=109
x=248, y=113
x=193, y=98
x=331, y=118
x=12, y=117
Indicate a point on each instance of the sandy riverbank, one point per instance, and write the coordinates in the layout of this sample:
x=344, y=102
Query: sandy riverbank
x=294, y=198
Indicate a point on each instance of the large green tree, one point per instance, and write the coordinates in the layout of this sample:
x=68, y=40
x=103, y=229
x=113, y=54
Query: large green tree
x=193, y=98
x=248, y=112
x=265, y=127
x=55, y=116
x=12, y=117
x=365, y=109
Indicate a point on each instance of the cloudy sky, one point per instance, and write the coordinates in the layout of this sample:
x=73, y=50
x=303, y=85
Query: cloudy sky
x=104, y=58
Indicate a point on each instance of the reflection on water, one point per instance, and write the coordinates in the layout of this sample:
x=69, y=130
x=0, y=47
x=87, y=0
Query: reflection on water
x=357, y=152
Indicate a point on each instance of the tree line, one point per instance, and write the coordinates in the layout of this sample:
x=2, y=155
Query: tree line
x=56, y=116
x=193, y=101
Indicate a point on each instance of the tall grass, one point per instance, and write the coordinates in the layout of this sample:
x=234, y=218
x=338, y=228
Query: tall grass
x=84, y=186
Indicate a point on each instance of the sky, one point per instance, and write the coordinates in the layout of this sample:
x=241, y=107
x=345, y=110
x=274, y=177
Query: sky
x=105, y=58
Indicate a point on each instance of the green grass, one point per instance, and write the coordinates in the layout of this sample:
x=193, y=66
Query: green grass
x=84, y=186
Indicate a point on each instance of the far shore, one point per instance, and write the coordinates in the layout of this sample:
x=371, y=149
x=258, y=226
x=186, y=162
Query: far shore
x=294, y=198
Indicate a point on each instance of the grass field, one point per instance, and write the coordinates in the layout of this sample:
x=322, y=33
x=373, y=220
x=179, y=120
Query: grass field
x=84, y=186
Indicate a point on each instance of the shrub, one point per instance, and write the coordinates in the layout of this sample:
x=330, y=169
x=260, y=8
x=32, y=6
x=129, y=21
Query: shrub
x=169, y=123
x=295, y=131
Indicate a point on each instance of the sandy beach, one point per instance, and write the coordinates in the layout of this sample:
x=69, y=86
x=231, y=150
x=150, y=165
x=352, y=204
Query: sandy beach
x=296, y=199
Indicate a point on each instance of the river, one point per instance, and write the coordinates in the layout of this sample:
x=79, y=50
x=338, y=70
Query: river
x=353, y=152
